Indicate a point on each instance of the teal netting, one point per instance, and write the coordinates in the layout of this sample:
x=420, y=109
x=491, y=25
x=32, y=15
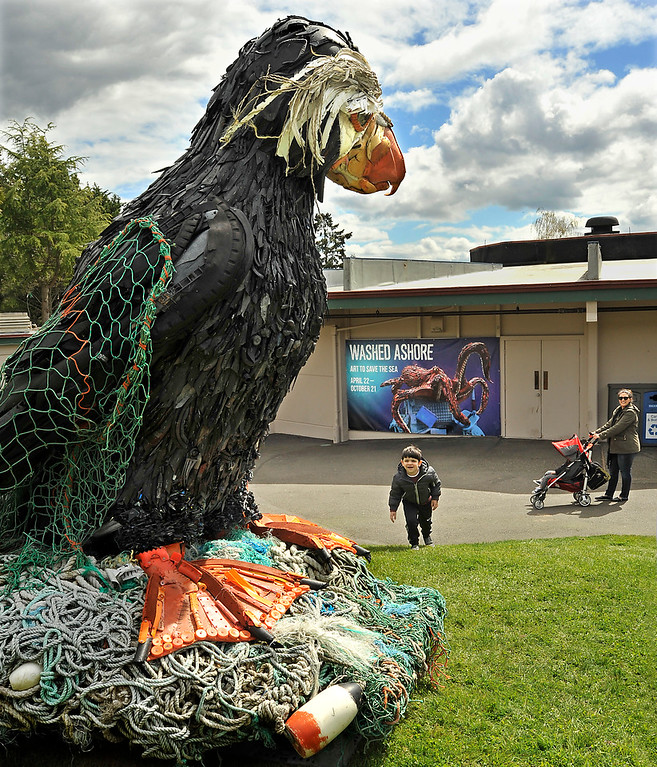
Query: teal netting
x=73, y=397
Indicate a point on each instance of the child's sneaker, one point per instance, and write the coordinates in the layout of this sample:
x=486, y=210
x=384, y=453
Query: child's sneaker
x=428, y=541
x=415, y=548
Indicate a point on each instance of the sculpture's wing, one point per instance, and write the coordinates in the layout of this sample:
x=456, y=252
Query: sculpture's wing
x=216, y=249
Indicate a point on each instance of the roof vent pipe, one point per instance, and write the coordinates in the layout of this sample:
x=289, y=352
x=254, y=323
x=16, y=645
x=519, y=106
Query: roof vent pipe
x=594, y=258
x=602, y=225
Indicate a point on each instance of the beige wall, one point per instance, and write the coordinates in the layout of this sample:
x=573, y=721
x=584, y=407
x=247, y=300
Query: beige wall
x=310, y=408
x=627, y=352
x=543, y=324
x=6, y=350
x=618, y=347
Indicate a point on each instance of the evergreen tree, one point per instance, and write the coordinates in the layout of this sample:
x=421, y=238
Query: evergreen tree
x=109, y=202
x=330, y=241
x=46, y=217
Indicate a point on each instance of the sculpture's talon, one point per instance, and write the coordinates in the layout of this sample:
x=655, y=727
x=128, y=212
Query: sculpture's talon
x=221, y=600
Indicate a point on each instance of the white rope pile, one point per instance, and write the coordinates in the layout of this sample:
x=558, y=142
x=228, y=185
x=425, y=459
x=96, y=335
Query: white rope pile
x=81, y=625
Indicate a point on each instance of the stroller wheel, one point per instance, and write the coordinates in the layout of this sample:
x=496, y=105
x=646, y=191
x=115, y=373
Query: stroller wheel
x=577, y=496
x=584, y=499
x=537, y=502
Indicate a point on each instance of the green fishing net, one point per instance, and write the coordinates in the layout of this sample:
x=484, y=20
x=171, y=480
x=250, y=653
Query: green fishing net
x=72, y=400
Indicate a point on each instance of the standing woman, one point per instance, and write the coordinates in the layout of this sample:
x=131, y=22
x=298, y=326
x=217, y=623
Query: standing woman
x=622, y=431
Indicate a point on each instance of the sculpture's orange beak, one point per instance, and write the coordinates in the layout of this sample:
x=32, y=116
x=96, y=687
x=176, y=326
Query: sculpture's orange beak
x=373, y=164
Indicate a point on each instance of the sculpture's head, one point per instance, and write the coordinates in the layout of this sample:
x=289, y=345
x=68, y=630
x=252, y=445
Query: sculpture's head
x=305, y=87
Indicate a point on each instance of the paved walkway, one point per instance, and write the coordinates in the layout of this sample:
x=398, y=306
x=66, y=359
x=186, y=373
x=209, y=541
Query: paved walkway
x=486, y=486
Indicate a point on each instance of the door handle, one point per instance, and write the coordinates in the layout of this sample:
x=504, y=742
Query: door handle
x=536, y=384
x=545, y=380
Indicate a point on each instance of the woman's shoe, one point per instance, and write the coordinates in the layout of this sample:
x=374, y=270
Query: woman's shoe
x=603, y=498
x=619, y=499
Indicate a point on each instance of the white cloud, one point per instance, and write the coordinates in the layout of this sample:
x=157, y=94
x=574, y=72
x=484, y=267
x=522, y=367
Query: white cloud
x=424, y=249
x=606, y=23
x=506, y=32
x=533, y=122
x=411, y=101
x=538, y=138
x=124, y=81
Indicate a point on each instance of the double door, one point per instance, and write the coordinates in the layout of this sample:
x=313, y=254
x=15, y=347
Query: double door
x=541, y=387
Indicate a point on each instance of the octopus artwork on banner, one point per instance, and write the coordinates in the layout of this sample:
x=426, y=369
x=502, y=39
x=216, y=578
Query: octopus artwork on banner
x=424, y=386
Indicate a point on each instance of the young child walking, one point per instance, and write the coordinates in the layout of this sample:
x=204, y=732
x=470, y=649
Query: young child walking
x=417, y=486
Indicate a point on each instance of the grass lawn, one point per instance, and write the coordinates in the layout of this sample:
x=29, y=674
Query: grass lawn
x=553, y=655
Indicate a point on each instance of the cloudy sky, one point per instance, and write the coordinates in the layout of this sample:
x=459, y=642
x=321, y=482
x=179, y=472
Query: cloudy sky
x=501, y=107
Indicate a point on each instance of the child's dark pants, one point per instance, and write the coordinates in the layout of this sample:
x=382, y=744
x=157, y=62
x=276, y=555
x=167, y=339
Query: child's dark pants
x=417, y=515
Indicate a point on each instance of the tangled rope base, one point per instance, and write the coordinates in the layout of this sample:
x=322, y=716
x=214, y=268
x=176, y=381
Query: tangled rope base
x=81, y=624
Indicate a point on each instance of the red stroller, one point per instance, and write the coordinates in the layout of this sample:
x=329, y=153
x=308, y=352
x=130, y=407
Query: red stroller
x=577, y=475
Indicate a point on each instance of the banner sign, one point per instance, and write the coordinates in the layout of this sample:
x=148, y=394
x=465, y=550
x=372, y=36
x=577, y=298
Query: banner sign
x=424, y=386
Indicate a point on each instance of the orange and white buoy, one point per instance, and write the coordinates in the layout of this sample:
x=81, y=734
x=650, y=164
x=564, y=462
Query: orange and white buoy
x=323, y=718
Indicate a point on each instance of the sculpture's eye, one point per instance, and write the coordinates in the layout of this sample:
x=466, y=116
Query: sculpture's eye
x=360, y=120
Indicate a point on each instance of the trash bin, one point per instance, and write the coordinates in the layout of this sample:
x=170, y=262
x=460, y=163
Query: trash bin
x=649, y=418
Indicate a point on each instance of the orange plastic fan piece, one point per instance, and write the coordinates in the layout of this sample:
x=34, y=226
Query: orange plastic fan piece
x=292, y=529
x=222, y=600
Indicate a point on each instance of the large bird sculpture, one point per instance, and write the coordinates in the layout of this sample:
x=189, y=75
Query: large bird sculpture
x=145, y=397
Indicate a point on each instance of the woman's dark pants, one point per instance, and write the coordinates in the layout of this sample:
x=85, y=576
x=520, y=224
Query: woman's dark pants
x=620, y=462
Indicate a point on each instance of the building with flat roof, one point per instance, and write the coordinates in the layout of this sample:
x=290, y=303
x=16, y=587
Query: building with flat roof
x=405, y=345
x=14, y=327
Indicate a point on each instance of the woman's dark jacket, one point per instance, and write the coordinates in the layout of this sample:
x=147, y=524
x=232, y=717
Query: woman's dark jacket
x=420, y=490
x=622, y=430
